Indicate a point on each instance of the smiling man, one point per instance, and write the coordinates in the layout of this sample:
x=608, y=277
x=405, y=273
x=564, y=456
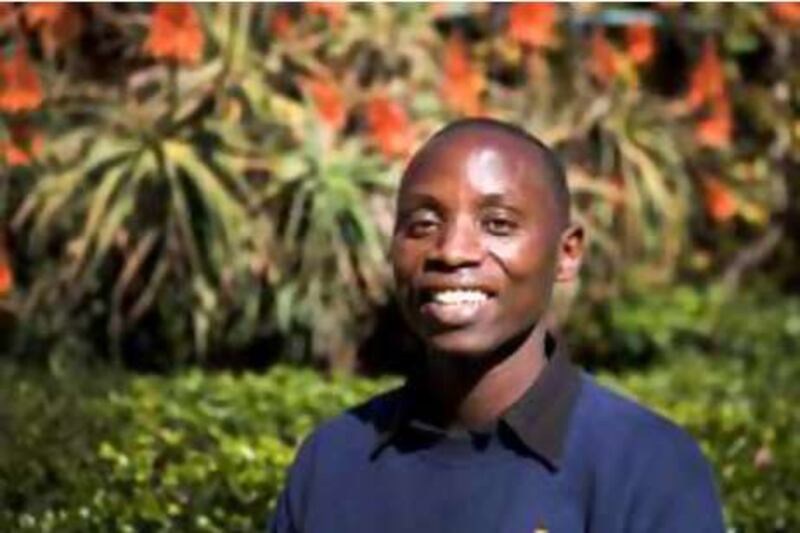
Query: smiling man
x=496, y=431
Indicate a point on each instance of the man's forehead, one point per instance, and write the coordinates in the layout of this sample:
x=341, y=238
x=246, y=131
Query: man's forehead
x=484, y=158
x=502, y=156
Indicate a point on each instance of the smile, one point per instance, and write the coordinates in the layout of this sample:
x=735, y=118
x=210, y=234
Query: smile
x=454, y=307
x=459, y=297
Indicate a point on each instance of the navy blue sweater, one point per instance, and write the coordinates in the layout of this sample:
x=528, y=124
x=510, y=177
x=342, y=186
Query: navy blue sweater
x=620, y=468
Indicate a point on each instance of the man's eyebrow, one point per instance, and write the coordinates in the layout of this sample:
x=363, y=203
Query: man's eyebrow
x=418, y=199
x=500, y=200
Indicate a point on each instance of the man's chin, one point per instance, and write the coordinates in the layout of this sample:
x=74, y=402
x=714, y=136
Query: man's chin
x=460, y=344
x=475, y=343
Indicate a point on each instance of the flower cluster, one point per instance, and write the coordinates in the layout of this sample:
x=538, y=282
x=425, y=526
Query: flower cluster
x=708, y=88
x=175, y=34
x=246, y=107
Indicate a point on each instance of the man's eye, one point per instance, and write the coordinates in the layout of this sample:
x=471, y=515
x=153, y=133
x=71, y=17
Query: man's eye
x=421, y=228
x=499, y=226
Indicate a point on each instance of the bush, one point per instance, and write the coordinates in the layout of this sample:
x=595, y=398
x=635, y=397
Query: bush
x=187, y=453
x=640, y=328
x=200, y=452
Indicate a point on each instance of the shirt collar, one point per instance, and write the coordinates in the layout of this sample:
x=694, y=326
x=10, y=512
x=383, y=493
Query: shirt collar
x=539, y=418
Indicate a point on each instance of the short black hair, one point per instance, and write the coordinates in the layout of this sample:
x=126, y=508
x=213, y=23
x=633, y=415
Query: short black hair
x=554, y=174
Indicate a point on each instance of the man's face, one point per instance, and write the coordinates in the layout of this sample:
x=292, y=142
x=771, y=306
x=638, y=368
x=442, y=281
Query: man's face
x=476, y=244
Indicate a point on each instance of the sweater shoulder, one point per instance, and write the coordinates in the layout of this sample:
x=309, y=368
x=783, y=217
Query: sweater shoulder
x=359, y=426
x=623, y=423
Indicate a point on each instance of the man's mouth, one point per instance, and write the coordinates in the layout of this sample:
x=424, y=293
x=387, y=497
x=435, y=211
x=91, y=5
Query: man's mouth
x=459, y=297
x=454, y=307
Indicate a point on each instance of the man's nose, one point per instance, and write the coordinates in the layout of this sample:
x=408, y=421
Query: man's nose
x=458, y=246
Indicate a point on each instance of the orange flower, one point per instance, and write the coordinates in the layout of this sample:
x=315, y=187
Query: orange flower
x=20, y=87
x=58, y=23
x=707, y=80
x=8, y=16
x=175, y=34
x=328, y=101
x=715, y=130
x=532, y=24
x=603, y=62
x=6, y=276
x=23, y=144
x=333, y=11
x=390, y=127
x=42, y=13
x=720, y=202
x=463, y=83
x=280, y=22
x=641, y=42
x=786, y=12
x=437, y=9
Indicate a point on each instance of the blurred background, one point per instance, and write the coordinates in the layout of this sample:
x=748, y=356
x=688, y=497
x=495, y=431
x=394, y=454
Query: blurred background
x=195, y=203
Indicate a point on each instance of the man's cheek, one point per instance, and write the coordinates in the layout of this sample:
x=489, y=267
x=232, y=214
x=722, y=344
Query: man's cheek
x=526, y=263
x=399, y=259
x=513, y=251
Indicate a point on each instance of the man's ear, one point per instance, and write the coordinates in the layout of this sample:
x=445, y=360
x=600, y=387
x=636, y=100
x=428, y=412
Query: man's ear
x=570, y=254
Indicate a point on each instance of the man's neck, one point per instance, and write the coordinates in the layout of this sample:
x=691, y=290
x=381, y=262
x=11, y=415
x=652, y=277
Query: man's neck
x=469, y=393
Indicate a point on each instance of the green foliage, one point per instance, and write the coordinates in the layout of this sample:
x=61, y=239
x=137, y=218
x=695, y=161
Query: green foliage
x=335, y=253
x=150, y=205
x=207, y=452
x=96, y=452
x=237, y=185
x=196, y=210
x=637, y=328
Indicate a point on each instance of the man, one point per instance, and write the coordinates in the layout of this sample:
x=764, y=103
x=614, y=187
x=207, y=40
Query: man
x=496, y=431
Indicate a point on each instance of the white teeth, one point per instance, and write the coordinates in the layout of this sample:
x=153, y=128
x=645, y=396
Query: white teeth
x=456, y=297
